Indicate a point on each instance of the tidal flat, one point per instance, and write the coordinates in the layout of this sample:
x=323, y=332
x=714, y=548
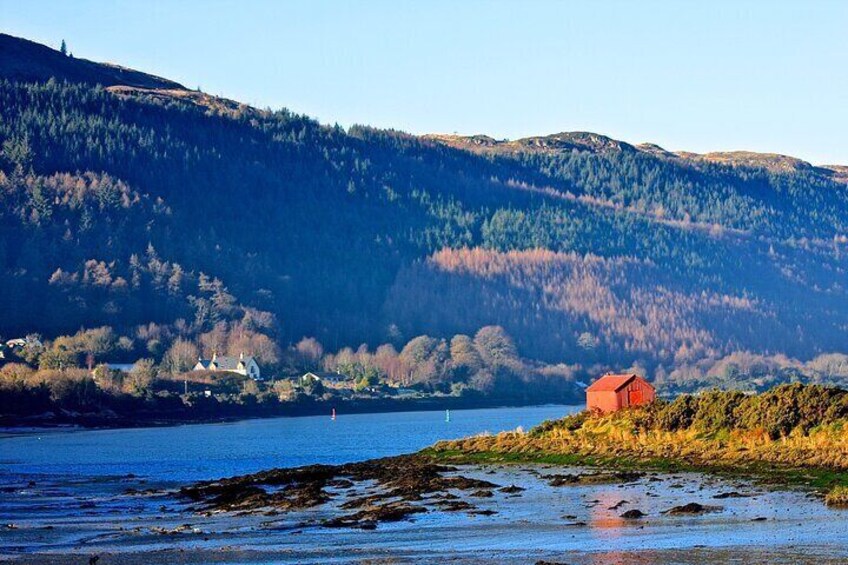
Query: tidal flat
x=464, y=514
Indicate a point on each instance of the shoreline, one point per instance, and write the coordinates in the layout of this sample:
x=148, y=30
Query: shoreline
x=556, y=493
x=507, y=506
x=398, y=509
x=808, y=479
x=792, y=434
x=12, y=426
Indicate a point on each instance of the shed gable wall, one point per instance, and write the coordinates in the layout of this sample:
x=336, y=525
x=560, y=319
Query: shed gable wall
x=635, y=393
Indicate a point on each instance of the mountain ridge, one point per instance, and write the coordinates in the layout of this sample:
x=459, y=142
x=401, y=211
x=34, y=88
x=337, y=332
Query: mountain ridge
x=590, y=141
x=42, y=62
x=171, y=214
x=22, y=59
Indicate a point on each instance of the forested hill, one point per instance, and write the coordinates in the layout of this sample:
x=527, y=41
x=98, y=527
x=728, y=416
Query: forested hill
x=132, y=202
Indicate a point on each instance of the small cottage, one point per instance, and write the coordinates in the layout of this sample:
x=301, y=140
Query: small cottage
x=109, y=369
x=243, y=365
x=614, y=392
x=330, y=380
x=17, y=343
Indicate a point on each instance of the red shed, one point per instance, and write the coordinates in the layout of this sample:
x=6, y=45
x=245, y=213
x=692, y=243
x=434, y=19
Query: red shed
x=614, y=392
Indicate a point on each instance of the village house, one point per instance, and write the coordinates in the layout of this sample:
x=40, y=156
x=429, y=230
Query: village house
x=120, y=367
x=242, y=365
x=18, y=343
x=106, y=368
x=329, y=380
x=614, y=392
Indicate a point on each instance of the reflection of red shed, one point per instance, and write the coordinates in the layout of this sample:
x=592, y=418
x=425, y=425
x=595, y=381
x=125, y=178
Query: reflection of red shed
x=614, y=392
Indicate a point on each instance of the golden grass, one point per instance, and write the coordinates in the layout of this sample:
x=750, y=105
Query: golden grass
x=823, y=447
x=819, y=458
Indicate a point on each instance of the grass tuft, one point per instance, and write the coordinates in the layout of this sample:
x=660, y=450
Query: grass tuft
x=838, y=496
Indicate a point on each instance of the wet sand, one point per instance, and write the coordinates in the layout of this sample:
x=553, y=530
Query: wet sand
x=60, y=520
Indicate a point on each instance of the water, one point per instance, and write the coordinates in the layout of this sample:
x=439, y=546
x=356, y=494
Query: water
x=68, y=495
x=206, y=451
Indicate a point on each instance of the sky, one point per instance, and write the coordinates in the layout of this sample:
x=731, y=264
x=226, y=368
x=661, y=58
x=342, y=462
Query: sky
x=702, y=76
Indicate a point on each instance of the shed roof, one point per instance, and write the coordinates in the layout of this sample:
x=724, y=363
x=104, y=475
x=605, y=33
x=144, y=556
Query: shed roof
x=611, y=383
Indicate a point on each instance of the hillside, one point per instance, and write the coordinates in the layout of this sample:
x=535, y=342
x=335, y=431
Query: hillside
x=171, y=214
x=25, y=60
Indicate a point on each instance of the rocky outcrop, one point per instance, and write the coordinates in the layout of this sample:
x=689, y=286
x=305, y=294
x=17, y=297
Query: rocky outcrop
x=392, y=484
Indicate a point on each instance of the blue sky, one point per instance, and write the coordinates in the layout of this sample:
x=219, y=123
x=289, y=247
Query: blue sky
x=702, y=76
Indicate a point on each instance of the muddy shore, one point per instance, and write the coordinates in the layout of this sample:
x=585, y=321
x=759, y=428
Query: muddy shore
x=414, y=509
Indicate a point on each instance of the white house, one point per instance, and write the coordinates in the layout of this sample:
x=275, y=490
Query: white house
x=20, y=343
x=123, y=368
x=242, y=365
x=331, y=380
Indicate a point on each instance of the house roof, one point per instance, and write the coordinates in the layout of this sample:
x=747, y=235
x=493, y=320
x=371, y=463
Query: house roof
x=611, y=383
x=226, y=363
x=326, y=376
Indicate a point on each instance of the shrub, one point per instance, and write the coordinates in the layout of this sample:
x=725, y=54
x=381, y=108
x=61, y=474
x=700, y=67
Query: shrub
x=838, y=496
x=676, y=415
x=716, y=411
x=786, y=407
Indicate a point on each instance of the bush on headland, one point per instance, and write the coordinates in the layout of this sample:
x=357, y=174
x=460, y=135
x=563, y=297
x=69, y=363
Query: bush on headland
x=795, y=433
x=777, y=412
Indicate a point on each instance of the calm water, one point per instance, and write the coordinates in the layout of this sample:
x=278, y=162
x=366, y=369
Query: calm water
x=205, y=451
